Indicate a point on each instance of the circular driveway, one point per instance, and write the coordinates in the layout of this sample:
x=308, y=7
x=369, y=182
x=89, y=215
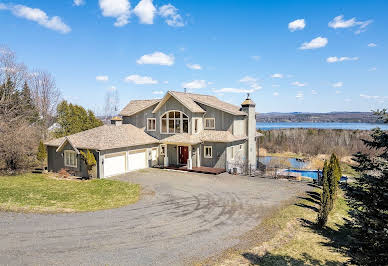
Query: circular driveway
x=181, y=217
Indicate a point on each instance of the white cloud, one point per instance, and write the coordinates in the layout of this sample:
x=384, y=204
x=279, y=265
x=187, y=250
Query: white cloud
x=372, y=69
x=255, y=57
x=113, y=88
x=318, y=42
x=194, y=66
x=300, y=95
x=39, y=16
x=119, y=9
x=339, y=23
x=140, y=80
x=78, y=2
x=334, y=59
x=372, y=44
x=158, y=92
x=338, y=92
x=299, y=84
x=195, y=84
x=298, y=24
x=338, y=84
x=314, y=92
x=170, y=13
x=102, y=78
x=165, y=82
x=157, y=58
x=251, y=82
x=380, y=99
x=277, y=75
x=234, y=90
x=145, y=10
x=276, y=93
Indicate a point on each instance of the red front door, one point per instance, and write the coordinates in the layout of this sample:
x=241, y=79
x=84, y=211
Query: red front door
x=183, y=153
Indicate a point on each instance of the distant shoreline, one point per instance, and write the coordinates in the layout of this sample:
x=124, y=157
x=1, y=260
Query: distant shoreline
x=320, y=125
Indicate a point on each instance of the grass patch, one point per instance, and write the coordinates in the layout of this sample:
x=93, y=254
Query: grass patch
x=39, y=193
x=295, y=240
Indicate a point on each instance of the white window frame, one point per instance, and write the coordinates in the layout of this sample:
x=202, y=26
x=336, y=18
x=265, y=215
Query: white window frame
x=241, y=147
x=205, y=153
x=163, y=153
x=69, y=153
x=151, y=119
x=167, y=119
x=214, y=123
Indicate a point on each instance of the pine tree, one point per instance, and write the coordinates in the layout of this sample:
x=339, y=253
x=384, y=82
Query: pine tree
x=42, y=153
x=325, y=199
x=368, y=199
x=334, y=176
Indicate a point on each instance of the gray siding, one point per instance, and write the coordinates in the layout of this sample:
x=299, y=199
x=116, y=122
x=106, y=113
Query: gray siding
x=56, y=161
x=219, y=155
x=224, y=121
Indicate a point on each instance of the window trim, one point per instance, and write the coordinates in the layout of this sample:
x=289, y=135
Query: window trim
x=149, y=119
x=214, y=123
x=76, y=158
x=241, y=147
x=211, y=152
x=167, y=119
x=161, y=149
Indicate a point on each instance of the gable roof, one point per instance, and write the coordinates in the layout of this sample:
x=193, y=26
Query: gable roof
x=190, y=100
x=136, y=106
x=183, y=98
x=106, y=137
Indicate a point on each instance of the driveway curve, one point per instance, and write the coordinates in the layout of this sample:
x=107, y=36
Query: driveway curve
x=181, y=217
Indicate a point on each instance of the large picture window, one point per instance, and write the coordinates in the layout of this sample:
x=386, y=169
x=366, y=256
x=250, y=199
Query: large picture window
x=70, y=158
x=174, y=122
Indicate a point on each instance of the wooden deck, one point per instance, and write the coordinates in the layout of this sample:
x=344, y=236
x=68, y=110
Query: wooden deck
x=202, y=169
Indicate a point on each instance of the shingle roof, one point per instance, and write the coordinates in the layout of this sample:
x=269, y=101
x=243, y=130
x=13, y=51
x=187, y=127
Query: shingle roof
x=136, y=106
x=107, y=137
x=204, y=136
x=186, y=100
x=211, y=101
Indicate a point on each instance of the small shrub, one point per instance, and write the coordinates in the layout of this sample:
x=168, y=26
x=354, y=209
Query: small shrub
x=63, y=173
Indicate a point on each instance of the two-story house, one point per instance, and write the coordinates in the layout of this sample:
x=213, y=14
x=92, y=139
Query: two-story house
x=181, y=129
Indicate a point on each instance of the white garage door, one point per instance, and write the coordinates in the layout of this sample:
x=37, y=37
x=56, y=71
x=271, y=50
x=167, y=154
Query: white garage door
x=114, y=164
x=137, y=160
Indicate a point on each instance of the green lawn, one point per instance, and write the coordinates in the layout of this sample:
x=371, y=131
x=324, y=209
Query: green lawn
x=40, y=193
x=292, y=239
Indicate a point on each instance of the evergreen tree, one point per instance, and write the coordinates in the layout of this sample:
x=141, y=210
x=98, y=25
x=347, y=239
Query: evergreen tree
x=334, y=175
x=368, y=199
x=325, y=199
x=74, y=118
x=28, y=105
x=42, y=153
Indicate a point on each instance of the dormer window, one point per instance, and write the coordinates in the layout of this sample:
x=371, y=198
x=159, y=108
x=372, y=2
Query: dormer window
x=174, y=122
x=210, y=123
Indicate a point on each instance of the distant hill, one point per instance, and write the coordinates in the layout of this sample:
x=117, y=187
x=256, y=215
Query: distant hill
x=343, y=117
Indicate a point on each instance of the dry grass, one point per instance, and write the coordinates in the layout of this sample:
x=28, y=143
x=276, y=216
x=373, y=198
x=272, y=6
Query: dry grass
x=296, y=241
x=39, y=193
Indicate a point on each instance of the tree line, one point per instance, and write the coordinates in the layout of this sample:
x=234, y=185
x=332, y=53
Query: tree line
x=314, y=141
x=28, y=107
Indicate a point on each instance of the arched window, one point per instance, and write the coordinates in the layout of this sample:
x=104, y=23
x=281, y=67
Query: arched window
x=174, y=122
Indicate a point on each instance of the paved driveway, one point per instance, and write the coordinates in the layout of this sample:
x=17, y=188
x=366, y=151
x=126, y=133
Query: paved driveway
x=182, y=217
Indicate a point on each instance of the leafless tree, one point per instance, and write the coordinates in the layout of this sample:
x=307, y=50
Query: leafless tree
x=46, y=95
x=112, y=102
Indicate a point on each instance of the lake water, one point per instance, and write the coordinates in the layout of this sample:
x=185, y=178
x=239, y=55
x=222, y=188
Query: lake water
x=297, y=164
x=311, y=174
x=351, y=126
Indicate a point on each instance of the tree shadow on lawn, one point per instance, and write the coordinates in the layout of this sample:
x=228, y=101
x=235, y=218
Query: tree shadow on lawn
x=272, y=259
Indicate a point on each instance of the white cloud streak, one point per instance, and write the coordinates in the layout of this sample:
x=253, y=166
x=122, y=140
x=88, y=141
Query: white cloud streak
x=277, y=75
x=156, y=58
x=194, y=66
x=316, y=43
x=39, y=16
x=251, y=82
x=78, y=2
x=145, y=10
x=118, y=9
x=372, y=44
x=298, y=84
x=195, y=84
x=298, y=24
x=140, y=80
x=337, y=84
x=339, y=23
x=171, y=16
x=334, y=59
x=102, y=78
x=234, y=90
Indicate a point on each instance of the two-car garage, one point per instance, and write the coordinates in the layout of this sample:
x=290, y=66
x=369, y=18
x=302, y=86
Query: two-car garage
x=120, y=163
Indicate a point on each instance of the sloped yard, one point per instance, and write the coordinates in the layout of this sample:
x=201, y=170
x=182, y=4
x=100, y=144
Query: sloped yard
x=40, y=193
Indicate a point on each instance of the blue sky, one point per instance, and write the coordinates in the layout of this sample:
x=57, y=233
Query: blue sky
x=313, y=56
